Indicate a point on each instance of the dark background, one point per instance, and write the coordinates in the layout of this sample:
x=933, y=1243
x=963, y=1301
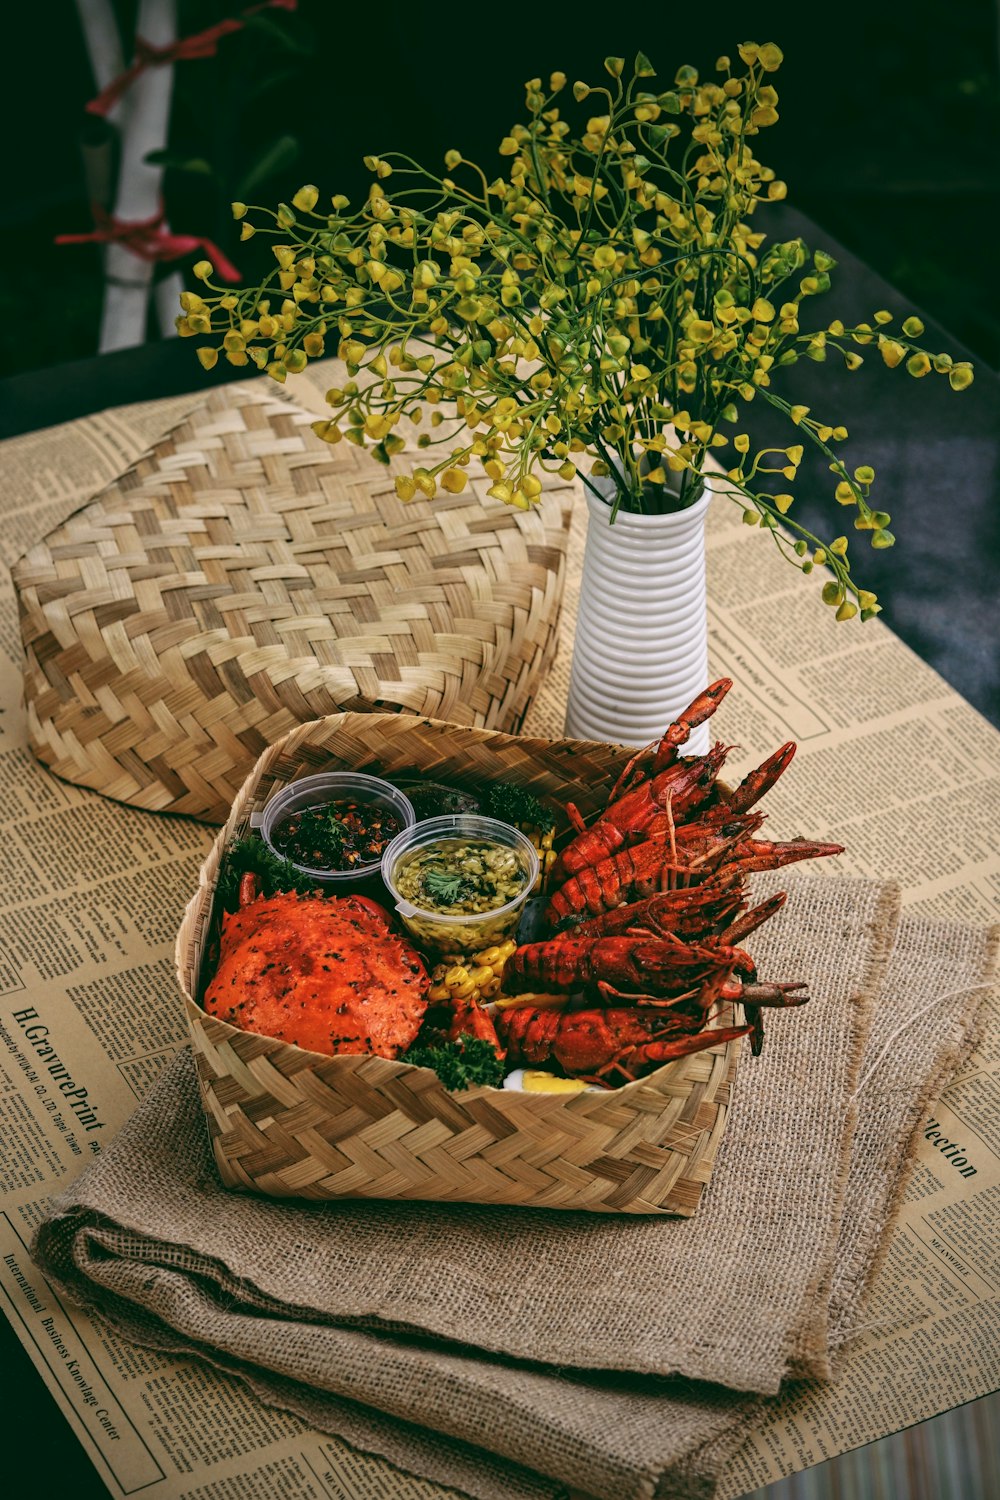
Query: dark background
x=889, y=132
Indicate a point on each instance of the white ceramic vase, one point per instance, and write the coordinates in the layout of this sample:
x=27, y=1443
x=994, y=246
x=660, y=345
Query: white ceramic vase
x=641, y=649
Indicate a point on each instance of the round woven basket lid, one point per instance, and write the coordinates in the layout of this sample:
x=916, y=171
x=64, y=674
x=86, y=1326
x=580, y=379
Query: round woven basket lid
x=243, y=577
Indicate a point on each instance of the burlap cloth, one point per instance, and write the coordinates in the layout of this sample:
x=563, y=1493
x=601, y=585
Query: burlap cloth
x=515, y=1353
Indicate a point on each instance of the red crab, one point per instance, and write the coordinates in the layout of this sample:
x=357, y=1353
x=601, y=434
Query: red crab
x=325, y=973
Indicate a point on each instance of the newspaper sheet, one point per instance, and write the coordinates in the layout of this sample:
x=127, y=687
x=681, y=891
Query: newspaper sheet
x=891, y=761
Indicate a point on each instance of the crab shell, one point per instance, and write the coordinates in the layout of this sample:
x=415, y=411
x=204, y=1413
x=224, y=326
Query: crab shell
x=324, y=973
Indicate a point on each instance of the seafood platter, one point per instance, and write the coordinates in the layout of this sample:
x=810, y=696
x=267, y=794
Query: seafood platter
x=510, y=970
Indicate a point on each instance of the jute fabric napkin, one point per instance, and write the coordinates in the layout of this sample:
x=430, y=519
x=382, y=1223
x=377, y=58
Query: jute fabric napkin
x=149, y=1236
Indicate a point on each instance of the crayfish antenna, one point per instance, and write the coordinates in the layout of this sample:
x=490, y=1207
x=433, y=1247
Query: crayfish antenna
x=575, y=817
x=635, y=772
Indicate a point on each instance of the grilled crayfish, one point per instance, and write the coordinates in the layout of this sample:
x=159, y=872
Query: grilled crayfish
x=662, y=829
x=597, y=1044
x=674, y=987
x=650, y=901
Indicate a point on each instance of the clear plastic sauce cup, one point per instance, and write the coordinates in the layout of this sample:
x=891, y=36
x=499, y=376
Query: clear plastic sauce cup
x=464, y=933
x=317, y=791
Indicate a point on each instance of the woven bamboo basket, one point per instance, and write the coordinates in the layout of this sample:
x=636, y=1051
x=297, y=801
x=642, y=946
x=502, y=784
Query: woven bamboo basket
x=292, y=1123
x=243, y=577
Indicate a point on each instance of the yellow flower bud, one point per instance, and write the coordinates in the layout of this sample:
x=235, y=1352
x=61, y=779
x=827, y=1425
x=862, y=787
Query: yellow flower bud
x=847, y=611
x=306, y=198
x=701, y=331
x=202, y=269
x=454, y=481
x=783, y=502
x=961, y=376
x=891, y=352
x=844, y=493
x=912, y=327
x=918, y=365
x=377, y=425
x=405, y=487
x=328, y=431
x=508, y=146
x=770, y=57
x=208, y=358
x=239, y=209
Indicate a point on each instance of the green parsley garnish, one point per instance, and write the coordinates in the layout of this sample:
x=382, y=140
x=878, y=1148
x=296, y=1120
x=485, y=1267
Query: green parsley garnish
x=515, y=804
x=445, y=886
x=460, y=1065
x=251, y=856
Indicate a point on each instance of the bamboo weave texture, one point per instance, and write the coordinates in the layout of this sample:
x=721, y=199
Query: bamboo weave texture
x=290, y=1123
x=243, y=577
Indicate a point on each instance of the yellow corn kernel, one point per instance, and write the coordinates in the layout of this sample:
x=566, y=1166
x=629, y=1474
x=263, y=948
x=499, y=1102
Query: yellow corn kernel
x=490, y=988
x=466, y=991
x=439, y=992
x=507, y=948
x=479, y=976
x=488, y=957
x=547, y=839
x=455, y=976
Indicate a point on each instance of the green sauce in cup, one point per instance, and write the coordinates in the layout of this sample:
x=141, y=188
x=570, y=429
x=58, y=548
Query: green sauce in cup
x=460, y=881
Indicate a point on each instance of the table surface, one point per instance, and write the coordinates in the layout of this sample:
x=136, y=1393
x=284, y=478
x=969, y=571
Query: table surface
x=936, y=454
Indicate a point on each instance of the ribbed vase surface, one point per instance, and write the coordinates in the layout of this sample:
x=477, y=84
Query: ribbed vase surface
x=641, y=649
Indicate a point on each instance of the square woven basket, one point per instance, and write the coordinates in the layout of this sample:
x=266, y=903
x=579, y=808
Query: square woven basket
x=292, y=1123
x=243, y=577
